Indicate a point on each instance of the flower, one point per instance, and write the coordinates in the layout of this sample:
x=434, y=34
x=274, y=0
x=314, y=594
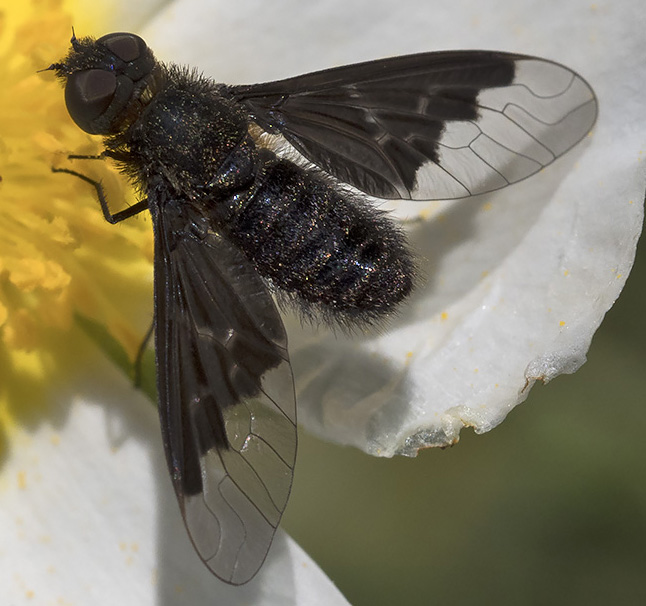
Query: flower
x=517, y=284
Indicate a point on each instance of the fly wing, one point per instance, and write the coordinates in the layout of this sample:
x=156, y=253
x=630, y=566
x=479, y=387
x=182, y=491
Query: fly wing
x=226, y=395
x=429, y=126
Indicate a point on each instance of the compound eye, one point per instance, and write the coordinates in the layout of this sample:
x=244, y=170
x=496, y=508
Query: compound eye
x=88, y=94
x=127, y=47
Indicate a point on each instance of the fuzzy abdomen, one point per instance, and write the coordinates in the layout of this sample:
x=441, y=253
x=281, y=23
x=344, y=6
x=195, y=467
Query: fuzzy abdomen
x=334, y=252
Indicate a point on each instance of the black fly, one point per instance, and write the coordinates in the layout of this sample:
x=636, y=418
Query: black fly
x=235, y=224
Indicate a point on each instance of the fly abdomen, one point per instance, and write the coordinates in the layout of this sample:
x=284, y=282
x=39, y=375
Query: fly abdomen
x=331, y=250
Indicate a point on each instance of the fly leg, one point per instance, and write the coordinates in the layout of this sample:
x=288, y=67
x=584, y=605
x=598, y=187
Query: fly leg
x=138, y=363
x=109, y=217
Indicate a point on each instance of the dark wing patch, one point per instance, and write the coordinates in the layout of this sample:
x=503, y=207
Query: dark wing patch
x=226, y=396
x=429, y=126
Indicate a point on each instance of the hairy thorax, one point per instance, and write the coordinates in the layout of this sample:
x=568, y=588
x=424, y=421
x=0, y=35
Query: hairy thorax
x=187, y=137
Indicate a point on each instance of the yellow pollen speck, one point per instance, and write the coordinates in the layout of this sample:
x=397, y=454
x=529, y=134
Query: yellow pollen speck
x=566, y=272
x=22, y=480
x=619, y=275
x=487, y=206
x=561, y=323
x=444, y=316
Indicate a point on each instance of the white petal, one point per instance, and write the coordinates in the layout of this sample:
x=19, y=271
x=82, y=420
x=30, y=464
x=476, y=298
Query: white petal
x=89, y=516
x=518, y=281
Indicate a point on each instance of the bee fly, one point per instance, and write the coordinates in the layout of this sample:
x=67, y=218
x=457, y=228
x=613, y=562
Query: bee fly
x=235, y=224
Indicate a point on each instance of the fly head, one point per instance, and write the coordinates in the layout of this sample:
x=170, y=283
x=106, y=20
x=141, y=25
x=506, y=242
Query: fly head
x=108, y=81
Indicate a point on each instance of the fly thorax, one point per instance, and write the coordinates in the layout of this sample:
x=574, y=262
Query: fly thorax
x=189, y=136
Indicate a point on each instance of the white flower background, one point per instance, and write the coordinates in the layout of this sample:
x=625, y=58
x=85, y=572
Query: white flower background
x=550, y=504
